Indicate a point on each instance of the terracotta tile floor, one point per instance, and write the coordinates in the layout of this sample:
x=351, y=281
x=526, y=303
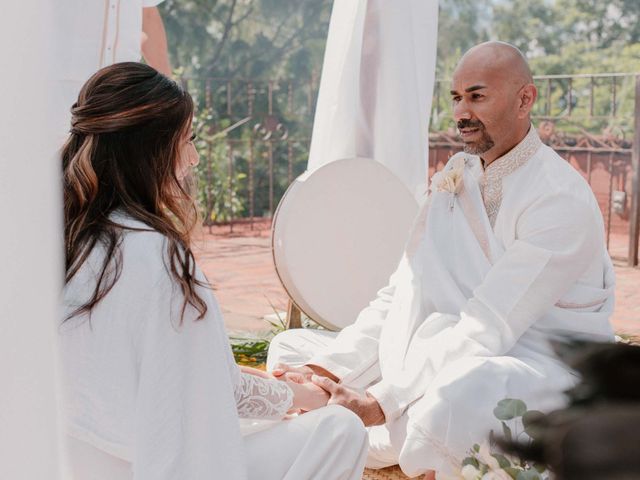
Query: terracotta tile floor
x=239, y=264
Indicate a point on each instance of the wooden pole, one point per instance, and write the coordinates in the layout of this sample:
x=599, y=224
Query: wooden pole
x=634, y=230
x=294, y=318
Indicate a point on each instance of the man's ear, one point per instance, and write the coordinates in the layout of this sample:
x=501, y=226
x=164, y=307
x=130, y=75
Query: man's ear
x=527, y=97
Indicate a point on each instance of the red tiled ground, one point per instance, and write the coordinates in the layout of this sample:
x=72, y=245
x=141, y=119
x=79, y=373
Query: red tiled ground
x=240, y=266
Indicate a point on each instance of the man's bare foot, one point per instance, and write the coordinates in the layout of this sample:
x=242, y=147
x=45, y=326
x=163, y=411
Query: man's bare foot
x=430, y=475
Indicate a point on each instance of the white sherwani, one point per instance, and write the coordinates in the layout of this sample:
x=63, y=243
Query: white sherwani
x=492, y=272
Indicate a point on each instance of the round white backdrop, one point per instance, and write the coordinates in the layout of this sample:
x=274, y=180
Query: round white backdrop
x=338, y=234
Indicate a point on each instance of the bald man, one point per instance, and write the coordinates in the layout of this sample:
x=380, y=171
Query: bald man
x=506, y=253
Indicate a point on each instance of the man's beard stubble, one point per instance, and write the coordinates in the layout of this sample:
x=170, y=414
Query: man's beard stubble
x=485, y=143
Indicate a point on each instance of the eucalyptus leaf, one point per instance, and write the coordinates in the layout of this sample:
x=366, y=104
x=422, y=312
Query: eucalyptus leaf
x=529, y=475
x=502, y=460
x=509, y=408
x=540, y=467
x=471, y=461
x=512, y=471
x=530, y=423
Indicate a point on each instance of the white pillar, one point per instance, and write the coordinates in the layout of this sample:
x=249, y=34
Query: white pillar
x=377, y=86
x=30, y=244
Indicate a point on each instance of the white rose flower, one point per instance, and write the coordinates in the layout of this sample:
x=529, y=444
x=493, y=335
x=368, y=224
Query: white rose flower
x=451, y=181
x=469, y=472
x=484, y=455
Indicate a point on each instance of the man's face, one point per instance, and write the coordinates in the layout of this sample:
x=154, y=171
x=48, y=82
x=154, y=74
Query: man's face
x=485, y=109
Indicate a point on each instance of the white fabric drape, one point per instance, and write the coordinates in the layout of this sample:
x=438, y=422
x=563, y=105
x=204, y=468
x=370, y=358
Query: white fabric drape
x=30, y=245
x=376, y=87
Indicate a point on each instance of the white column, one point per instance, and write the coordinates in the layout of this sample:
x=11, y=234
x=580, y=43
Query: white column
x=30, y=245
x=377, y=86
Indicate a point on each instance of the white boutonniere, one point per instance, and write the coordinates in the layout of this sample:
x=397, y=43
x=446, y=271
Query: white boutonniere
x=450, y=180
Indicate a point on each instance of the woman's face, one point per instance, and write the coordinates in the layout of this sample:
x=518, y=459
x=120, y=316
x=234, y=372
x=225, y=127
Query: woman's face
x=189, y=157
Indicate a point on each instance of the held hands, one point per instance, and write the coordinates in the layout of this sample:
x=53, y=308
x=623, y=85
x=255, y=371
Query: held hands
x=301, y=374
x=362, y=404
x=306, y=395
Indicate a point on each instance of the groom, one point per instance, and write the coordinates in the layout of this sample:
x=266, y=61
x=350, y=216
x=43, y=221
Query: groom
x=506, y=253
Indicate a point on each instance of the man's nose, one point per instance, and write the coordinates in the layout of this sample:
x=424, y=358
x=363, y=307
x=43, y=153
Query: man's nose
x=461, y=111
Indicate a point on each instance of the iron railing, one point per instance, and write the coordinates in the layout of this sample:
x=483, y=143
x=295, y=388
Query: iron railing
x=592, y=120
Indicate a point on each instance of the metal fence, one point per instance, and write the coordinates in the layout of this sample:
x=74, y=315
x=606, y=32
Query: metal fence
x=592, y=120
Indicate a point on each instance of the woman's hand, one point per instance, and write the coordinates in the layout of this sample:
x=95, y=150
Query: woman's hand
x=256, y=372
x=307, y=396
x=301, y=374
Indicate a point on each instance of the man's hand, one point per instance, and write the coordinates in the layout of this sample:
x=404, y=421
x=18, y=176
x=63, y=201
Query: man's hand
x=301, y=374
x=365, y=406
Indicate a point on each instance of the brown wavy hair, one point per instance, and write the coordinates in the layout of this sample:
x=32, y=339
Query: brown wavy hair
x=122, y=154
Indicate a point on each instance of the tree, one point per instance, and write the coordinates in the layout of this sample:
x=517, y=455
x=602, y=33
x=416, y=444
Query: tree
x=246, y=38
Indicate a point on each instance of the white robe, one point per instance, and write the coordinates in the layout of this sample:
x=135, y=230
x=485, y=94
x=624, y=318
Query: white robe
x=147, y=397
x=466, y=318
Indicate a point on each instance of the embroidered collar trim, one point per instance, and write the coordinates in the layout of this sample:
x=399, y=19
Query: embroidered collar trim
x=491, y=180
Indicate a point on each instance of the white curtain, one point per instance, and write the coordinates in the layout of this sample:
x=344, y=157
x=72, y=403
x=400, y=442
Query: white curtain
x=377, y=85
x=30, y=244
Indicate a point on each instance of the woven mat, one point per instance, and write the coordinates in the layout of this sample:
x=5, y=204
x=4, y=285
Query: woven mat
x=389, y=473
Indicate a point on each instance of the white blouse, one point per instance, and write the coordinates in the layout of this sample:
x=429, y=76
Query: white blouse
x=143, y=386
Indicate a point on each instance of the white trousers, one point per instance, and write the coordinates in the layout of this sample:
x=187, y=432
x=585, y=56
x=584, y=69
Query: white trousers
x=436, y=431
x=326, y=444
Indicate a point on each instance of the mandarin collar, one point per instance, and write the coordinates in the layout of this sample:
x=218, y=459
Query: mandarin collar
x=496, y=171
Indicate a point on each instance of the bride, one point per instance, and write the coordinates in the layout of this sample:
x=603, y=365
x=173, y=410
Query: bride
x=151, y=391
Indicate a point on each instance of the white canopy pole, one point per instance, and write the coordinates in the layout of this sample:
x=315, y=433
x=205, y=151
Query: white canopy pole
x=30, y=245
x=377, y=86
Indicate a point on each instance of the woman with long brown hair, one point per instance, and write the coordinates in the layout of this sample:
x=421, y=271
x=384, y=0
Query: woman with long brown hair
x=151, y=390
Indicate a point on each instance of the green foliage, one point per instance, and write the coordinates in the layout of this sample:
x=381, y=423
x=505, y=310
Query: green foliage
x=509, y=408
x=250, y=352
x=260, y=60
x=531, y=474
x=529, y=420
x=461, y=25
x=559, y=37
x=253, y=351
x=246, y=38
x=506, y=431
x=218, y=184
x=471, y=461
x=481, y=460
